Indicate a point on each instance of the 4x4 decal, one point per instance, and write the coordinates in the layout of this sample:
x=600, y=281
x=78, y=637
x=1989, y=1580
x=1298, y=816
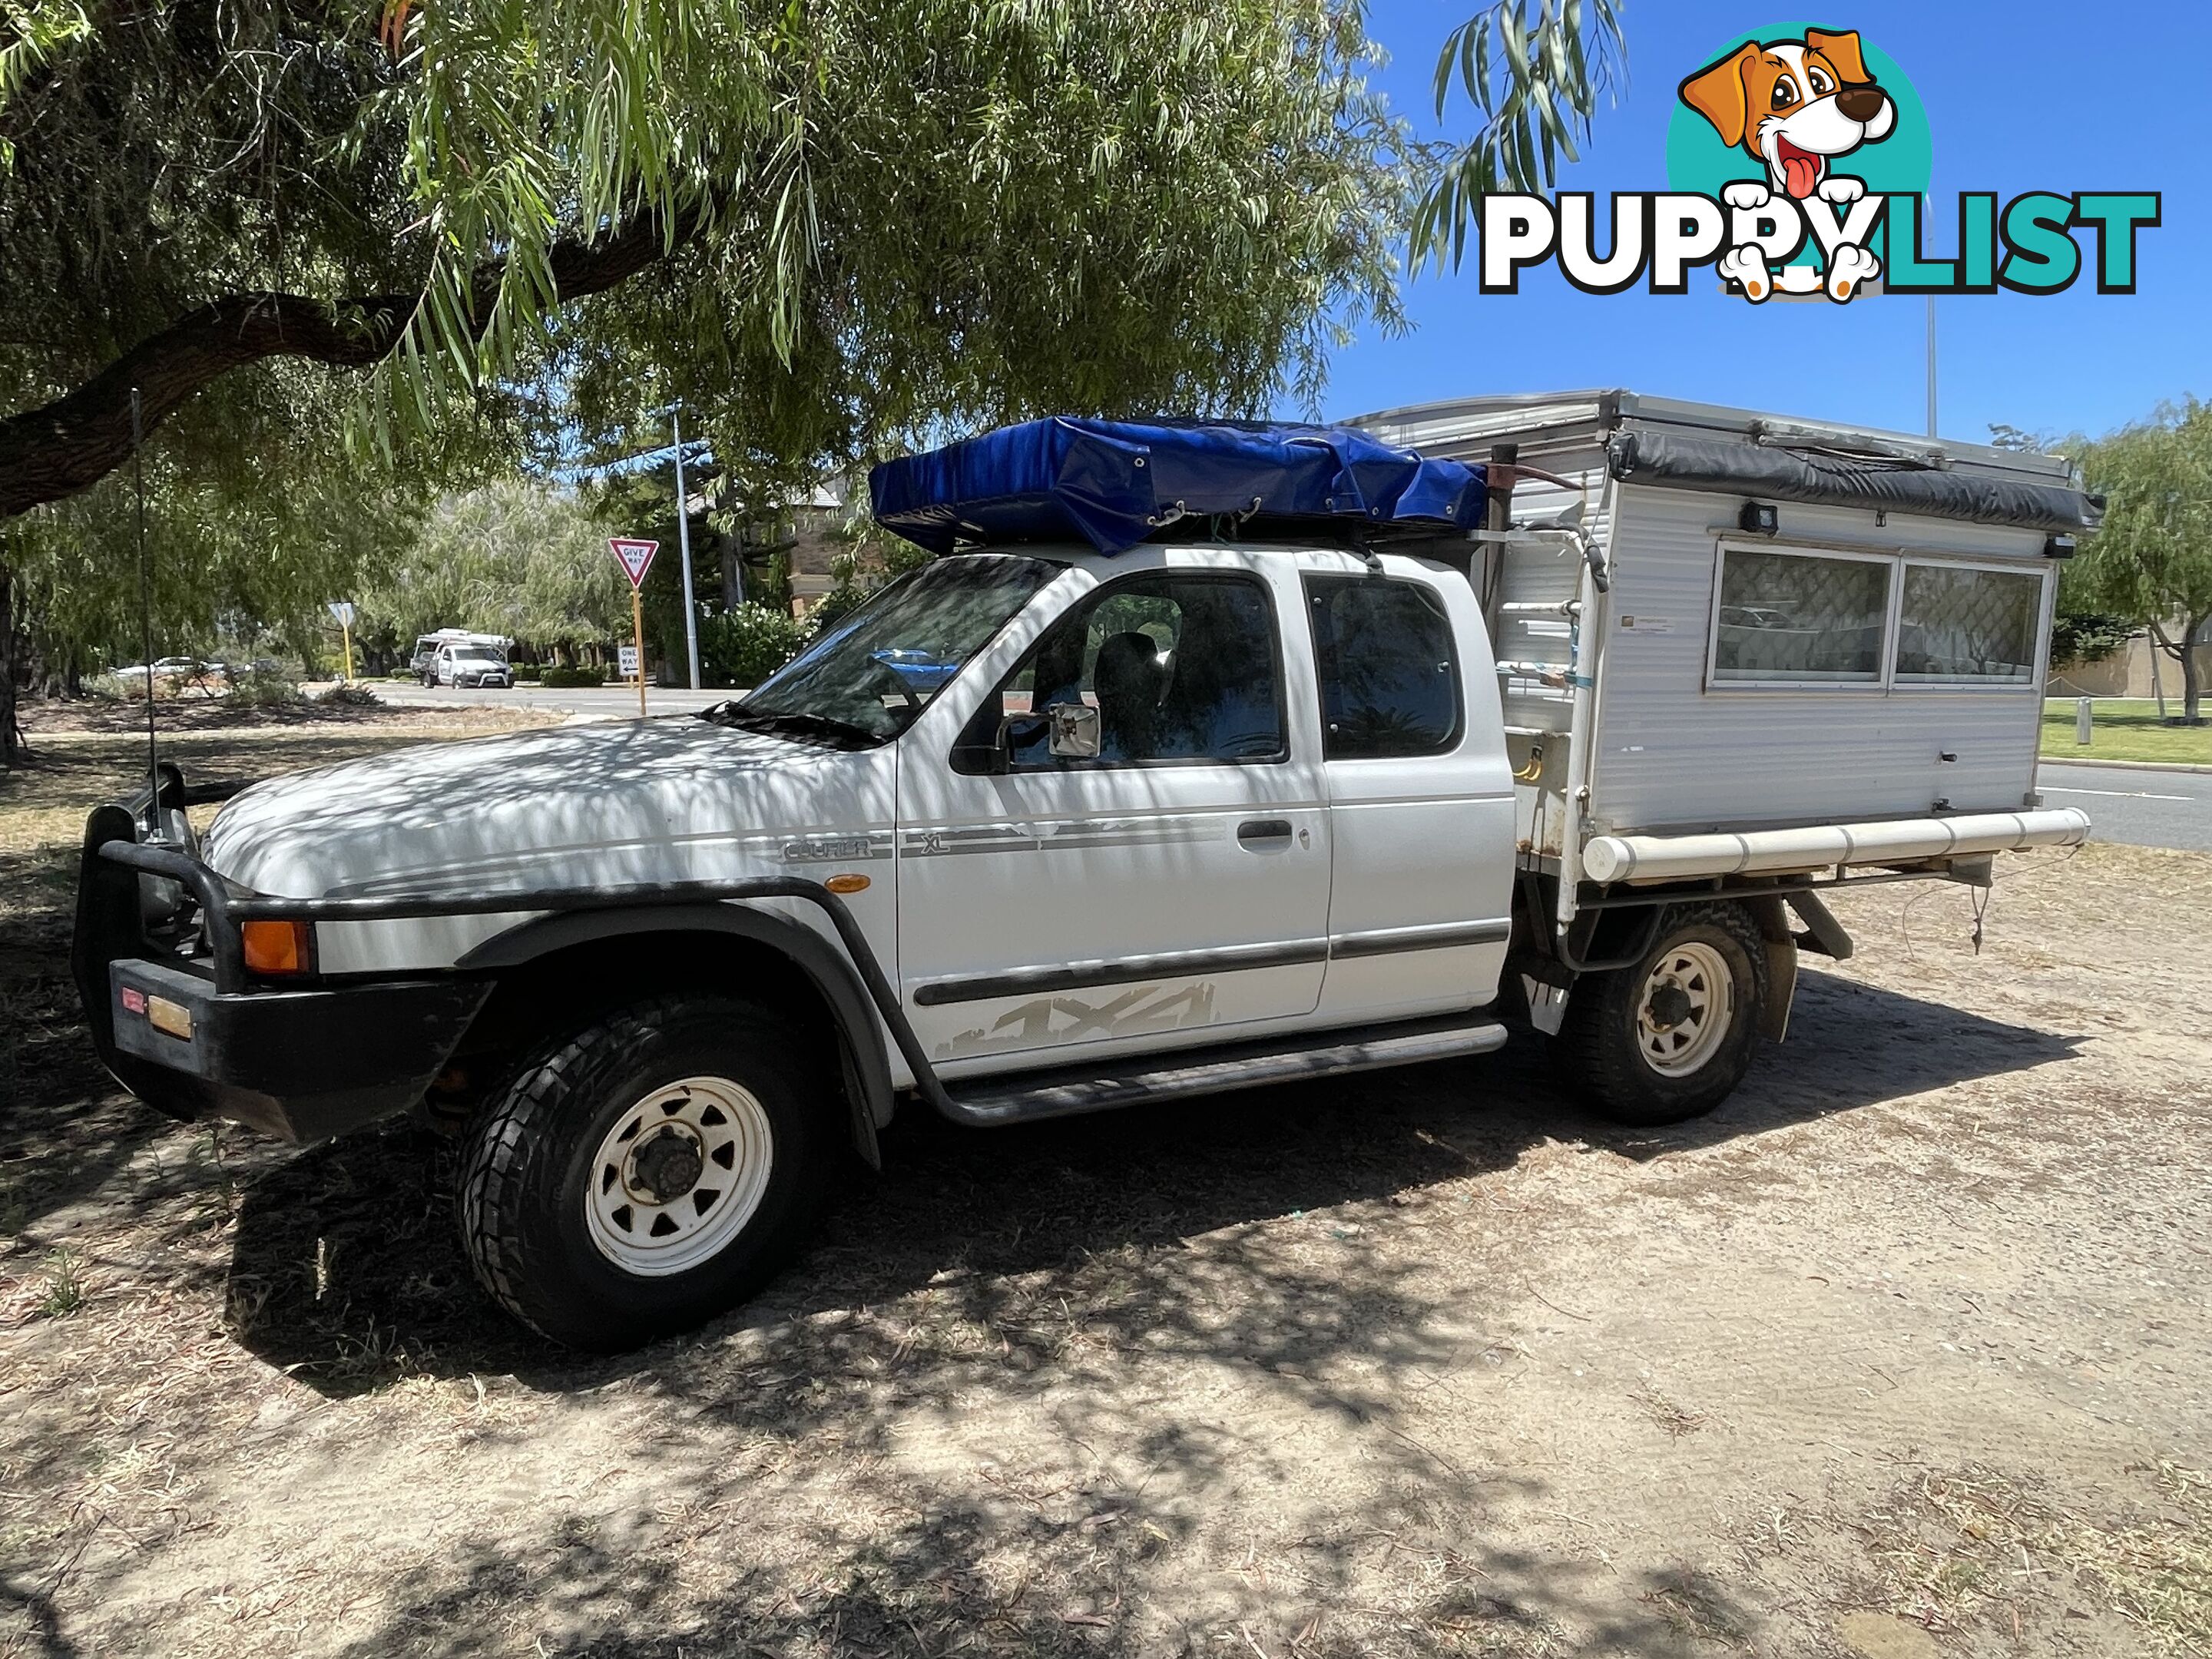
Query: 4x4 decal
x=1145, y=1008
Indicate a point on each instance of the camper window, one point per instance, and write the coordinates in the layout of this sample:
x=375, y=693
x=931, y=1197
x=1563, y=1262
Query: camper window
x=1958, y=622
x=1800, y=618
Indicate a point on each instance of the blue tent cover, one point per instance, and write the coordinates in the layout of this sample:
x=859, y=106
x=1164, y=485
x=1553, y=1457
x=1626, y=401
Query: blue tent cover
x=1115, y=482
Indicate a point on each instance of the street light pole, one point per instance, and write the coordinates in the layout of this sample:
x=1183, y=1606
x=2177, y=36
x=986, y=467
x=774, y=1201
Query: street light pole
x=1931, y=365
x=683, y=542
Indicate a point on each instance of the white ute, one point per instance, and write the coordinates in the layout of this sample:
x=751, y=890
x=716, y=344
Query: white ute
x=1203, y=757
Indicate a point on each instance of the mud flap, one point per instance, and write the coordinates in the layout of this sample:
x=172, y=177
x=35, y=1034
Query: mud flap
x=1781, y=989
x=1781, y=966
x=1547, y=1004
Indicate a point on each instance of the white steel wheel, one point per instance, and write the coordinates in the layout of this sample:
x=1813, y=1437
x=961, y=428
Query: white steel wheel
x=1688, y=1002
x=678, y=1176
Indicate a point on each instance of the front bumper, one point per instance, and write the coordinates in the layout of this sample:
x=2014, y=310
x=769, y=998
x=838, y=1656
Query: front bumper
x=302, y=1065
x=198, y=1038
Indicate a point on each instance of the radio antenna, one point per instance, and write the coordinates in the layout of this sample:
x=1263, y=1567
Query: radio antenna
x=146, y=617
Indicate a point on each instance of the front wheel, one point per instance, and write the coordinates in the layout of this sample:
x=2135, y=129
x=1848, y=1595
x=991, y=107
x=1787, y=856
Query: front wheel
x=647, y=1174
x=1670, y=1037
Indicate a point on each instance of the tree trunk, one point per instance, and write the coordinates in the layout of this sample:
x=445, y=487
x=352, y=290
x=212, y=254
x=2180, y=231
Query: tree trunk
x=13, y=750
x=2191, y=681
x=54, y=451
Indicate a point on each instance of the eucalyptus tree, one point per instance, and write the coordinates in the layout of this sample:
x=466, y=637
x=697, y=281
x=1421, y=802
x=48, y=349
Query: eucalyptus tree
x=494, y=230
x=841, y=220
x=2151, y=562
x=516, y=557
x=247, y=541
x=1536, y=71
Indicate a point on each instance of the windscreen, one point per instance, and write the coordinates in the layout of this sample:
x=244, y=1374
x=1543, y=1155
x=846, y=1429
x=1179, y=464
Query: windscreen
x=872, y=674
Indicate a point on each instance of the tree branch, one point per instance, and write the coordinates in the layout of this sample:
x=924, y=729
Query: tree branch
x=51, y=453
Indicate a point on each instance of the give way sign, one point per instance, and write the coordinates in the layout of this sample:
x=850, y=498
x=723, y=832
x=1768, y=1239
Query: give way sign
x=633, y=554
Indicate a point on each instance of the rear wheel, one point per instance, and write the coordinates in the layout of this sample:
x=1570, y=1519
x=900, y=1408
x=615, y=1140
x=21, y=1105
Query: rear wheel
x=647, y=1174
x=1670, y=1037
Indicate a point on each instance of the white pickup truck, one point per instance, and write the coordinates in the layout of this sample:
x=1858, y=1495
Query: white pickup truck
x=1239, y=766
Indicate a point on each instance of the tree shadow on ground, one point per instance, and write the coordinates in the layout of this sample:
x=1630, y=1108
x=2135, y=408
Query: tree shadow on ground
x=942, y=1579
x=1047, y=1276
x=347, y=1264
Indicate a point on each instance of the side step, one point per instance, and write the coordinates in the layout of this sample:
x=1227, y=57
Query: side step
x=1068, y=1091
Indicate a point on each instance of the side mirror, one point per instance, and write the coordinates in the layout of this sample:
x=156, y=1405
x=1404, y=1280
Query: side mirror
x=1075, y=731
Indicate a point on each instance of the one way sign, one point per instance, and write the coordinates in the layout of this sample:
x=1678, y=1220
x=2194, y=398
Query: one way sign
x=633, y=554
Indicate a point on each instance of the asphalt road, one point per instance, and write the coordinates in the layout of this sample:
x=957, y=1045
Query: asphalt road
x=2142, y=807
x=611, y=702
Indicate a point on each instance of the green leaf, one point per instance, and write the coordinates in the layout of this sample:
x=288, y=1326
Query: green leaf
x=1535, y=71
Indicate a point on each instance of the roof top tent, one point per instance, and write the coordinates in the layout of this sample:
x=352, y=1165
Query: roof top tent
x=1714, y=620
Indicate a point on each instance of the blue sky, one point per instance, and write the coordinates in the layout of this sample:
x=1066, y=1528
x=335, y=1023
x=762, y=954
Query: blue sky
x=2028, y=95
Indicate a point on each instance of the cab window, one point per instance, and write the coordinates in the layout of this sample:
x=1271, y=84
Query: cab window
x=1182, y=668
x=1389, y=673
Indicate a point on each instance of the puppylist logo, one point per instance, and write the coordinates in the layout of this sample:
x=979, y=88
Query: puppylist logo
x=1799, y=160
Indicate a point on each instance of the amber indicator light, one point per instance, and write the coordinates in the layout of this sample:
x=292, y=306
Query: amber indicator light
x=277, y=947
x=171, y=1019
x=848, y=883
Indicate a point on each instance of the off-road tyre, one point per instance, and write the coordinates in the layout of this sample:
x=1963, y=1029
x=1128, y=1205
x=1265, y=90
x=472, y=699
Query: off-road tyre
x=532, y=1154
x=1600, y=1050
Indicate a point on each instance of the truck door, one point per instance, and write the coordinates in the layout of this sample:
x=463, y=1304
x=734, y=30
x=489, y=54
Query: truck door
x=1173, y=888
x=1420, y=790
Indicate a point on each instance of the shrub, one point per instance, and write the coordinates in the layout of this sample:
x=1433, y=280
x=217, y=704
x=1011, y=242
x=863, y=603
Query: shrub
x=568, y=679
x=261, y=688
x=2081, y=636
x=345, y=695
x=745, y=645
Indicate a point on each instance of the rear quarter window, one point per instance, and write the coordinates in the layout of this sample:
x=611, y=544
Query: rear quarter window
x=1388, y=667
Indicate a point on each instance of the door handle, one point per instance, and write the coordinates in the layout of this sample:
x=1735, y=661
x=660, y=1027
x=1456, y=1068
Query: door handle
x=1261, y=831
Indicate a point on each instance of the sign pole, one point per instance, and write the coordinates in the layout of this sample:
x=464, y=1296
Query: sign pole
x=634, y=553
x=343, y=613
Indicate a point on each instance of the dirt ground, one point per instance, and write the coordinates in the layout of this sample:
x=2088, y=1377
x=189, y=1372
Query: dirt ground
x=1902, y=1353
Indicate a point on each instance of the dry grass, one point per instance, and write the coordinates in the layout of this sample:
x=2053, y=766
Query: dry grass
x=1976, y=1545
x=1675, y=1418
x=1427, y=1365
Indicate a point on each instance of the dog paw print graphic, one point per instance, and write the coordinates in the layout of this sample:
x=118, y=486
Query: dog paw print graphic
x=1796, y=107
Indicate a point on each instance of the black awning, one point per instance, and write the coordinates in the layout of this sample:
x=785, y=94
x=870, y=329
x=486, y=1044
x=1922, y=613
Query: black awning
x=1672, y=460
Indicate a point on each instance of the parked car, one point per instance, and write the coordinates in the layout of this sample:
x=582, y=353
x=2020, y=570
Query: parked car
x=423, y=664
x=176, y=672
x=924, y=670
x=472, y=664
x=1371, y=753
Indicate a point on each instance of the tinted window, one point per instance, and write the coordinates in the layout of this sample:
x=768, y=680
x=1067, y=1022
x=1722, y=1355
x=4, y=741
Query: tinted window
x=1179, y=667
x=1389, y=676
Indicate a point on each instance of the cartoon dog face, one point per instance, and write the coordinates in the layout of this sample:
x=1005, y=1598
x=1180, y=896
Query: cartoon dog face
x=1794, y=105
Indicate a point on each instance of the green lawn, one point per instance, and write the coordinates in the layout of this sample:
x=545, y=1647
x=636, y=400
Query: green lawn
x=2126, y=729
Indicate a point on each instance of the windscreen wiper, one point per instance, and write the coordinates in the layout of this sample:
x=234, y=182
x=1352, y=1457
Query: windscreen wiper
x=790, y=723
